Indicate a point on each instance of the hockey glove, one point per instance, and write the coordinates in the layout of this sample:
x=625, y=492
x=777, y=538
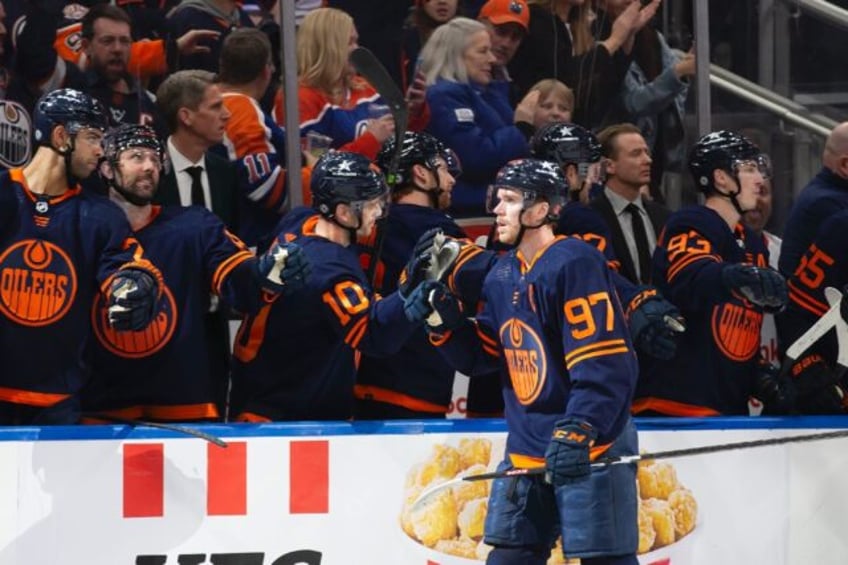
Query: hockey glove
x=817, y=387
x=762, y=286
x=413, y=274
x=656, y=326
x=417, y=305
x=132, y=300
x=447, y=311
x=567, y=456
x=283, y=268
x=777, y=393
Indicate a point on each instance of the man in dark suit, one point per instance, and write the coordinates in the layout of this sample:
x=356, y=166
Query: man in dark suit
x=634, y=221
x=193, y=107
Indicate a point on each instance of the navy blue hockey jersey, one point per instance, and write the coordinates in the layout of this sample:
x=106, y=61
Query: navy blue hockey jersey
x=712, y=372
x=56, y=253
x=162, y=372
x=556, y=322
x=296, y=358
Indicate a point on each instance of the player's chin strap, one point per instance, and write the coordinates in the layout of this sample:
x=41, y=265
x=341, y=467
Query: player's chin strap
x=732, y=196
x=66, y=154
x=433, y=194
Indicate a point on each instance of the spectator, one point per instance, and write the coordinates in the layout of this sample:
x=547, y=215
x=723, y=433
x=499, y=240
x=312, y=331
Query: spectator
x=316, y=334
x=426, y=16
x=160, y=372
x=470, y=113
x=253, y=142
x=218, y=16
x=506, y=21
x=334, y=101
x=560, y=45
x=58, y=247
x=716, y=271
x=653, y=95
x=634, y=221
x=824, y=195
x=555, y=104
x=106, y=41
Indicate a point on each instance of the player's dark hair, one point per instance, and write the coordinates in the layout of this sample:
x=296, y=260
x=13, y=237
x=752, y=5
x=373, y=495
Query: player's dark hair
x=106, y=11
x=244, y=55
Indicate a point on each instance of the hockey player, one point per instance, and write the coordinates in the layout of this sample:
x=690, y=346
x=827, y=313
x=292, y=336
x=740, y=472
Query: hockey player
x=820, y=385
x=552, y=317
x=716, y=271
x=296, y=358
x=58, y=248
x=416, y=382
x=161, y=372
x=655, y=324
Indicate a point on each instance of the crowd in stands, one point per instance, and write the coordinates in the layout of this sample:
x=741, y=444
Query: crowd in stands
x=175, y=113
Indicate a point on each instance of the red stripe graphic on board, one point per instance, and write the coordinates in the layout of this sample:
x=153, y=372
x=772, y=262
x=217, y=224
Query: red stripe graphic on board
x=226, y=479
x=143, y=480
x=309, y=479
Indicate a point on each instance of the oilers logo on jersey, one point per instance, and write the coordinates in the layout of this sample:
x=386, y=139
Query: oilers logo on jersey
x=525, y=359
x=136, y=344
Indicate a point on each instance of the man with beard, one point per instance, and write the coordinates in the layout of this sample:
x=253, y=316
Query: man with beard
x=59, y=247
x=160, y=371
x=106, y=42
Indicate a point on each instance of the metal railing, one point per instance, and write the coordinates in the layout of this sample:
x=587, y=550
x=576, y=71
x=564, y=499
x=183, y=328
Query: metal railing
x=822, y=10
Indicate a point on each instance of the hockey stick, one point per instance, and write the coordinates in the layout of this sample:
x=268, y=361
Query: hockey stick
x=624, y=459
x=375, y=73
x=170, y=427
x=830, y=320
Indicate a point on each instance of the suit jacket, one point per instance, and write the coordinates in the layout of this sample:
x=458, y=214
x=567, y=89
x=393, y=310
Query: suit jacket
x=657, y=213
x=223, y=189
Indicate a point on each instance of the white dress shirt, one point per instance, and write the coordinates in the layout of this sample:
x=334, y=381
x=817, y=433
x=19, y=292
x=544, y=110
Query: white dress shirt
x=179, y=164
x=619, y=203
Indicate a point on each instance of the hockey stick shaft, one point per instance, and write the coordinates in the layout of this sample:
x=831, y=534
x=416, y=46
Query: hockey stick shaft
x=375, y=73
x=606, y=462
x=177, y=428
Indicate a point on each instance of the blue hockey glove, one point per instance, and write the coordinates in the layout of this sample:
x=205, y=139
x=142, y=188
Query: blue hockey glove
x=447, y=310
x=283, y=268
x=132, y=300
x=567, y=456
x=417, y=305
x=762, y=286
x=776, y=392
x=656, y=326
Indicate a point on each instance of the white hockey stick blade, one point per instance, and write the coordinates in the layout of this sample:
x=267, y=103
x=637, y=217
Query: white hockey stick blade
x=831, y=319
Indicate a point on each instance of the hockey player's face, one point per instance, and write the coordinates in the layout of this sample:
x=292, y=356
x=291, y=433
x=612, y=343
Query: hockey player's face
x=757, y=218
x=508, y=210
x=139, y=169
x=446, y=183
x=371, y=211
x=478, y=58
x=109, y=48
x=750, y=184
x=88, y=150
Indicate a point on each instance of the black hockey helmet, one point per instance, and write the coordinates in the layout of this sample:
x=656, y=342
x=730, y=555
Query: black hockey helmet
x=566, y=144
x=534, y=179
x=125, y=136
x=417, y=148
x=723, y=150
x=340, y=177
x=68, y=107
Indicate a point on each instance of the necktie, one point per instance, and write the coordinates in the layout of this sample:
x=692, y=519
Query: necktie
x=641, y=237
x=196, y=186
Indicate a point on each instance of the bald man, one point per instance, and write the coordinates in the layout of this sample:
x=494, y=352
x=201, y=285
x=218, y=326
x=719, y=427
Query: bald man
x=825, y=195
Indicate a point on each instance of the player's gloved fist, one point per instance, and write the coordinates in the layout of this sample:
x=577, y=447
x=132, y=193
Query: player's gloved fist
x=777, y=393
x=567, y=456
x=132, y=300
x=447, y=310
x=413, y=274
x=417, y=305
x=762, y=286
x=656, y=326
x=817, y=387
x=283, y=268
x=426, y=241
